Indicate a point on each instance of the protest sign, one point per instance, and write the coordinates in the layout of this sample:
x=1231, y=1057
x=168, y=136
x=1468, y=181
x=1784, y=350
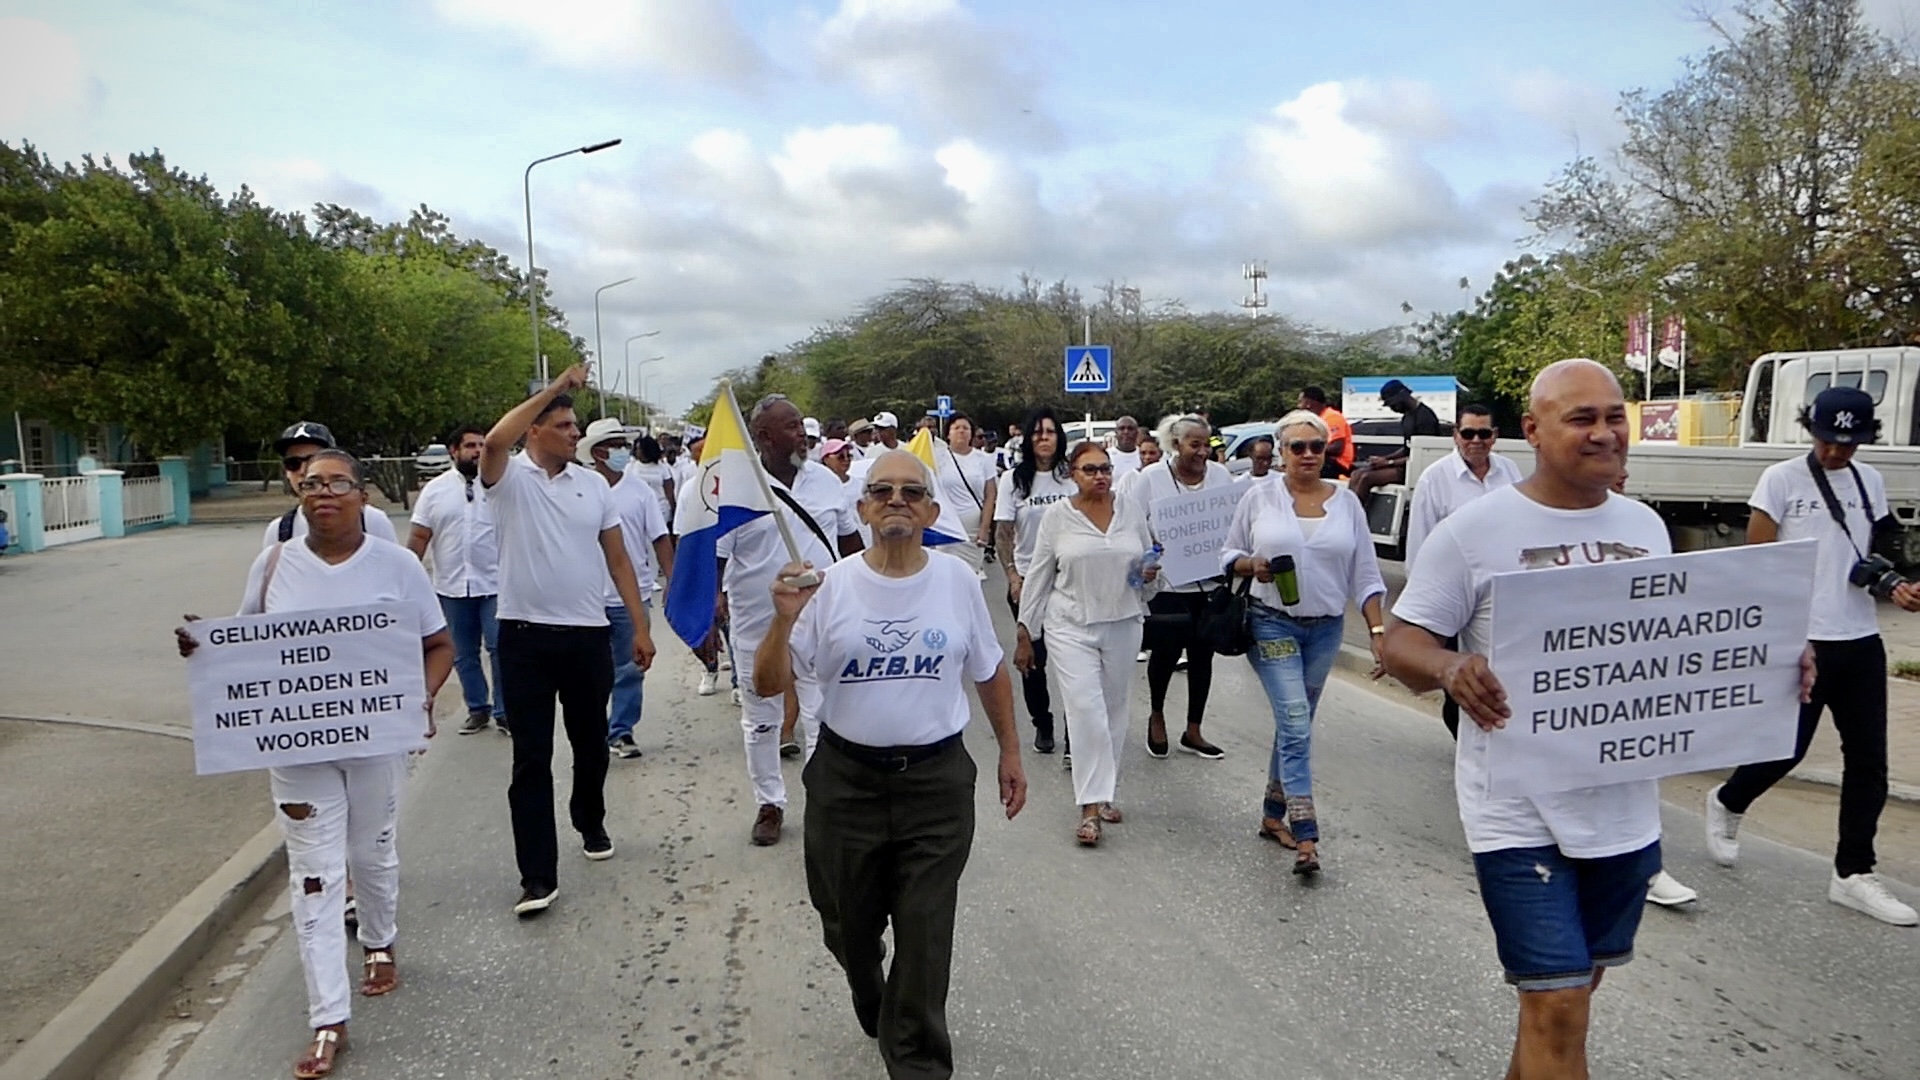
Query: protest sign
x=1643, y=668
x=306, y=686
x=1192, y=528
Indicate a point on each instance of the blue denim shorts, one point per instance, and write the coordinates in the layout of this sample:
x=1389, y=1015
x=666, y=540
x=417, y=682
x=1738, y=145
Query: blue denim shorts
x=1556, y=919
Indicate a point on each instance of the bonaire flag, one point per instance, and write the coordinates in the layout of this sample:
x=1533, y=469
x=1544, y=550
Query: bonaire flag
x=947, y=528
x=725, y=496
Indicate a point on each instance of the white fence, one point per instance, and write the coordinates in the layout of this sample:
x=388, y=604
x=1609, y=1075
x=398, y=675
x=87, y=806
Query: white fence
x=147, y=501
x=72, y=508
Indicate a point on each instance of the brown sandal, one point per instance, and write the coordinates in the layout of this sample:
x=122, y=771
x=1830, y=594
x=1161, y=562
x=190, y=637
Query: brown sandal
x=1277, y=832
x=328, y=1044
x=1109, y=813
x=375, y=986
x=1089, y=831
x=1306, y=862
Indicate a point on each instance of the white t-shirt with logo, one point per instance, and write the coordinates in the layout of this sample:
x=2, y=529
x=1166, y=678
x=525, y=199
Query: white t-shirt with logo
x=1788, y=494
x=893, y=656
x=641, y=523
x=378, y=573
x=963, y=479
x=1025, y=512
x=372, y=522
x=552, y=569
x=1449, y=592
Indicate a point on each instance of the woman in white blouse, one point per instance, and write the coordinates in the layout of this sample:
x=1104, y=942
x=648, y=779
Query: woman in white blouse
x=1081, y=598
x=1321, y=529
x=966, y=481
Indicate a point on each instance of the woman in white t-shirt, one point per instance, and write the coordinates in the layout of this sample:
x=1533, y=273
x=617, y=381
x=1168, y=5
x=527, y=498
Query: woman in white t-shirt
x=1037, y=480
x=1086, y=595
x=965, y=479
x=340, y=817
x=1313, y=532
x=650, y=465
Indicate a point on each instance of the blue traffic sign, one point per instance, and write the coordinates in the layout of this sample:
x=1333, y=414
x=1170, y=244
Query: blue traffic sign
x=943, y=406
x=1089, y=369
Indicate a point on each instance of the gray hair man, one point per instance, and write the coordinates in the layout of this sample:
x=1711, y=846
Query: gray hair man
x=893, y=637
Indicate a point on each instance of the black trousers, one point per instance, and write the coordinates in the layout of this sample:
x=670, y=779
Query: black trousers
x=537, y=664
x=888, y=845
x=1167, y=637
x=1033, y=684
x=1852, y=682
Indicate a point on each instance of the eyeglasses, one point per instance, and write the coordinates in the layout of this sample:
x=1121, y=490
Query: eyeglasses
x=1472, y=433
x=1307, y=446
x=339, y=485
x=1097, y=470
x=295, y=464
x=909, y=493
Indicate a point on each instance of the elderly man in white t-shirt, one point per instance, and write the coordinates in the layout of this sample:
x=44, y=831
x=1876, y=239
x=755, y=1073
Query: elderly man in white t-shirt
x=893, y=636
x=1563, y=876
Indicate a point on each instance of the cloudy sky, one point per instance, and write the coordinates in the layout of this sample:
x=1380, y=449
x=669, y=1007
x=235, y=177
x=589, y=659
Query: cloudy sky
x=783, y=161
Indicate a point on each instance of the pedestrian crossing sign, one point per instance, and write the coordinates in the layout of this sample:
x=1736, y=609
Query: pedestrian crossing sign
x=1089, y=369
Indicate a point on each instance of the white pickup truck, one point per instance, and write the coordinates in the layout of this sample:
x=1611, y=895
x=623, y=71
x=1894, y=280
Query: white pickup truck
x=1702, y=491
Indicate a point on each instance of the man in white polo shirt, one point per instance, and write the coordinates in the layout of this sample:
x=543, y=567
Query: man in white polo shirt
x=809, y=496
x=559, y=542
x=453, y=520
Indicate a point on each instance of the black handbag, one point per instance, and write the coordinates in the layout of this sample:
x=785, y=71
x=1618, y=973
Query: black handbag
x=1223, y=622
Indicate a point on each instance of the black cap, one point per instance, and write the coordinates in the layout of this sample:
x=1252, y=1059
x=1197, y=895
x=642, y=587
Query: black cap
x=1844, y=415
x=304, y=431
x=1392, y=388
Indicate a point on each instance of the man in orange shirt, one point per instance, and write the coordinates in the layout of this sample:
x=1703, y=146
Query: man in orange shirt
x=1339, y=459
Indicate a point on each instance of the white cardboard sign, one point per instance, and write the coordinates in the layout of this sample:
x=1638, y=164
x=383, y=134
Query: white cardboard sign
x=301, y=687
x=1643, y=668
x=1192, y=528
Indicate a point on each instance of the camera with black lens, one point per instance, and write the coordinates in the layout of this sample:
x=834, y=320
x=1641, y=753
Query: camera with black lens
x=1876, y=574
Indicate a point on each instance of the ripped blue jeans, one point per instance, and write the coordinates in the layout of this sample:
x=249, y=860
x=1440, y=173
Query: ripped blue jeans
x=1292, y=658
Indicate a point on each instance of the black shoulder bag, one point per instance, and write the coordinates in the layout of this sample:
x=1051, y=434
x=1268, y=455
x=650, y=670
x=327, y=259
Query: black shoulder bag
x=1223, y=625
x=1833, y=504
x=785, y=496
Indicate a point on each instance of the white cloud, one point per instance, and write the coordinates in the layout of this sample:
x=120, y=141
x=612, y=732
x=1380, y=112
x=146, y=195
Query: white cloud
x=694, y=39
x=296, y=184
x=1583, y=113
x=935, y=59
x=43, y=76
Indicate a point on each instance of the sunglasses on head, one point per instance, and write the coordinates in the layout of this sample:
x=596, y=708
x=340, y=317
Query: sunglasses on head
x=1096, y=470
x=909, y=493
x=1472, y=433
x=1307, y=446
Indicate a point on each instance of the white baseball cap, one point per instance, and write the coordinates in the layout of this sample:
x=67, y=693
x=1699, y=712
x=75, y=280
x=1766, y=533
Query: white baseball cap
x=813, y=427
x=886, y=419
x=601, y=430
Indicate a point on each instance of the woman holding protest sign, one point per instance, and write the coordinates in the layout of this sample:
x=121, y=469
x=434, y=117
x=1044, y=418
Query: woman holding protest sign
x=1305, y=543
x=340, y=817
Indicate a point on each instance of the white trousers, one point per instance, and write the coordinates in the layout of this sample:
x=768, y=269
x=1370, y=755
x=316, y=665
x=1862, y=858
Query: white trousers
x=760, y=720
x=1094, y=666
x=970, y=553
x=339, y=819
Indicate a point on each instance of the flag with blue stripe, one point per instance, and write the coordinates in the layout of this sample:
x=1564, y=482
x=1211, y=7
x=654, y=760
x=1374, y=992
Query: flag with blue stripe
x=725, y=496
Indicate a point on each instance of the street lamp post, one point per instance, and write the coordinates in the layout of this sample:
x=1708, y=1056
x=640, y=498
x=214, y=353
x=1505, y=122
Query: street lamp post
x=628, y=362
x=533, y=280
x=599, y=360
x=646, y=410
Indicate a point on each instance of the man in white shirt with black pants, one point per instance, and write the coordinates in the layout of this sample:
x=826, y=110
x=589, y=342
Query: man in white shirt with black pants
x=893, y=635
x=454, y=522
x=1828, y=497
x=809, y=495
x=1564, y=876
x=559, y=542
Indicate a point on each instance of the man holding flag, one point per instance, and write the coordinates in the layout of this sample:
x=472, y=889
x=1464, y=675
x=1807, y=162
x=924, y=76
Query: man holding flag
x=729, y=537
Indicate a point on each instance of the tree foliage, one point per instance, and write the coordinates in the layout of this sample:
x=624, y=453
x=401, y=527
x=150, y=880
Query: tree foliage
x=144, y=298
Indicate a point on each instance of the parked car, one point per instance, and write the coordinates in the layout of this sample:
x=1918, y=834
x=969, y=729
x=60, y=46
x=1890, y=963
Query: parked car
x=433, y=461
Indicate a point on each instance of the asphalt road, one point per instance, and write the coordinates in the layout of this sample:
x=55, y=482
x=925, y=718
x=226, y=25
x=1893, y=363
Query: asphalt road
x=1180, y=948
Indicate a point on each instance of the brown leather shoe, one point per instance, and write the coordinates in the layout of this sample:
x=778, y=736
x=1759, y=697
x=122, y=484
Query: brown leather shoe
x=766, y=827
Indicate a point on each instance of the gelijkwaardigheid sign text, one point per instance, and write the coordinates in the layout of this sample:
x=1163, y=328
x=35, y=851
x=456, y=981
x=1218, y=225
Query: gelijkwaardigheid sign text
x=1644, y=668
x=301, y=687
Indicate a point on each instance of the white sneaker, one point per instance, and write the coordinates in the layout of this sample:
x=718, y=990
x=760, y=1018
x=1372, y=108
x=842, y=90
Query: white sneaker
x=1723, y=829
x=1867, y=894
x=1662, y=889
x=736, y=695
x=709, y=685
x=1141, y=658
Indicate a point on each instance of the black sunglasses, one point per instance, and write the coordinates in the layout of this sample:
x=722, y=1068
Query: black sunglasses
x=1472, y=433
x=296, y=464
x=1307, y=446
x=910, y=493
x=1097, y=470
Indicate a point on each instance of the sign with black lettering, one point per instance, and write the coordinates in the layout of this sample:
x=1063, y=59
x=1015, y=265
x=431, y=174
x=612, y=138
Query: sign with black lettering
x=1642, y=668
x=1191, y=530
x=301, y=687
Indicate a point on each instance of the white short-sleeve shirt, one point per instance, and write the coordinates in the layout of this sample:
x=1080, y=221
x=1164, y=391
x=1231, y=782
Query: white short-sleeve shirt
x=552, y=569
x=1448, y=485
x=641, y=523
x=1449, y=593
x=893, y=656
x=465, y=553
x=1025, y=511
x=755, y=552
x=963, y=480
x=1788, y=494
x=373, y=522
x=378, y=573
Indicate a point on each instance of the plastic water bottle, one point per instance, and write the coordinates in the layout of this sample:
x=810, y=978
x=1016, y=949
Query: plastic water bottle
x=1137, y=569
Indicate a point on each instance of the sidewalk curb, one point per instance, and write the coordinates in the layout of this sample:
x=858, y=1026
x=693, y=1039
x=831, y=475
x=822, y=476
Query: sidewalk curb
x=1359, y=661
x=95, y=1024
